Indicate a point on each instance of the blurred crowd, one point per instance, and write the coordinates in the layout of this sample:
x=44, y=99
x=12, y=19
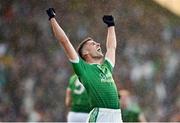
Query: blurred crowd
x=34, y=70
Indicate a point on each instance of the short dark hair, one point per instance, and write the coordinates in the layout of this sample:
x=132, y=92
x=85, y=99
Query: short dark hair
x=81, y=45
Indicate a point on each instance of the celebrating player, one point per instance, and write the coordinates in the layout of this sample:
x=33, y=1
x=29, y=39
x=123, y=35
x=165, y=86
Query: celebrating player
x=93, y=71
x=77, y=100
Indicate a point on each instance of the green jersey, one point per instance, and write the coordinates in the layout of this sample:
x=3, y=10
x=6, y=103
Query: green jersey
x=80, y=101
x=99, y=83
x=130, y=115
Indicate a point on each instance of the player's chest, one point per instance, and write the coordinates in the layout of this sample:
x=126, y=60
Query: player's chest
x=102, y=74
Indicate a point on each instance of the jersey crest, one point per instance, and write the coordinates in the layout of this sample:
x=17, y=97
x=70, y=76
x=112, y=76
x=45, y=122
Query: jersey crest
x=105, y=75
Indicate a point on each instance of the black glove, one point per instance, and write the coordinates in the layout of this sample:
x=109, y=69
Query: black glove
x=109, y=20
x=51, y=13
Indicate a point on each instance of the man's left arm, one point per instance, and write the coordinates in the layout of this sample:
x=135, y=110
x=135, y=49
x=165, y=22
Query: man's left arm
x=111, y=38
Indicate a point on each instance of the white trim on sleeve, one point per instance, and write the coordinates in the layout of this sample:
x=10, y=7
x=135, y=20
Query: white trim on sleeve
x=109, y=61
x=69, y=89
x=74, y=61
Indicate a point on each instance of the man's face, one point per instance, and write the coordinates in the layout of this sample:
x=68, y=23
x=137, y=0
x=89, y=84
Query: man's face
x=93, y=49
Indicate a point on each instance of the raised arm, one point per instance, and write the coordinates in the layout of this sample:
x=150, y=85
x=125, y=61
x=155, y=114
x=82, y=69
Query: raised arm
x=111, y=38
x=61, y=36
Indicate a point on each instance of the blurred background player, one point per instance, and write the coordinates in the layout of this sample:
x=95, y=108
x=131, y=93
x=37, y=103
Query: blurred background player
x=77, y=101
x=130, y=110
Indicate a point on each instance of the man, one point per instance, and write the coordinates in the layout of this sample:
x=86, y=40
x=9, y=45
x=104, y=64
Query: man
x=77, y=100
x=93, y=71
x=129, y=114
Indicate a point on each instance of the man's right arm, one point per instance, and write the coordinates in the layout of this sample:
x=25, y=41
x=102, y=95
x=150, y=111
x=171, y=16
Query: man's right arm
x=61, y=37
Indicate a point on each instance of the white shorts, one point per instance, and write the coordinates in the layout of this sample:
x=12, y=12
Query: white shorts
x=77, y=117
x=105, y=115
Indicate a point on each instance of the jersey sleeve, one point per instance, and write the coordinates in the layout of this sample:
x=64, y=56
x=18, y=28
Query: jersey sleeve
x=71, y=81
x=79, y=66
x=108, y=64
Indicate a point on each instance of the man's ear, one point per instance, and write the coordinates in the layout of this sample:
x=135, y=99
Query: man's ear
x=85, y=52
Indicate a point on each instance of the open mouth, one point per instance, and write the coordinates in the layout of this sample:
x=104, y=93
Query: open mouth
x=99, y=49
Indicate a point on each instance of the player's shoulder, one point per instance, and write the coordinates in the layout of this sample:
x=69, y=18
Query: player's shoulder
x=108, y=61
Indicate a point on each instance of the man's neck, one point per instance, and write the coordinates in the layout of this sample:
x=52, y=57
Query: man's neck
x=95, y=61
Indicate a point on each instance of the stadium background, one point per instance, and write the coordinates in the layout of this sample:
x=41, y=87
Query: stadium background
x=34, y=70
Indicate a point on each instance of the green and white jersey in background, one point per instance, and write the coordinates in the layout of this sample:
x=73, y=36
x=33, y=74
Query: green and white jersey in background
x=80, y=101
x=99, y=83
x=130, y=115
